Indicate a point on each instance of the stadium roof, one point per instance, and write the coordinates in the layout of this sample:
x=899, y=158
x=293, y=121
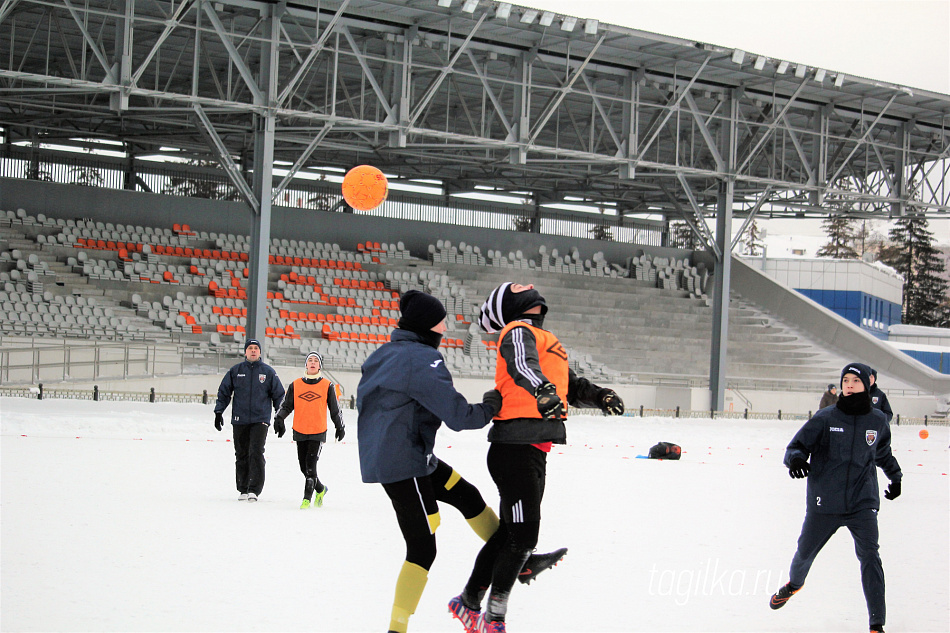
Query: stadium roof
x=475, y=93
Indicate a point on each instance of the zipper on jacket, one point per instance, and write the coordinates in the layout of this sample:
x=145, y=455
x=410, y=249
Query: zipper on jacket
x=847, y=478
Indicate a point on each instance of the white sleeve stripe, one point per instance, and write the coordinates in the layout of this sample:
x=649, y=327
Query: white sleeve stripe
x=517, y=339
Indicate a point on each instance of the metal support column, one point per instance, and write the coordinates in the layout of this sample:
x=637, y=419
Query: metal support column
x=720, y=325
x=263, y=182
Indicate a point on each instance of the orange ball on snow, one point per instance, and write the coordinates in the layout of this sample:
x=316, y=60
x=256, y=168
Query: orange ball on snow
x=924, y=434
x=365, y=187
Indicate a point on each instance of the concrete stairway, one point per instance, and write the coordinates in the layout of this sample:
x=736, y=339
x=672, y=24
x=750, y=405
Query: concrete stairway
x=634, y=328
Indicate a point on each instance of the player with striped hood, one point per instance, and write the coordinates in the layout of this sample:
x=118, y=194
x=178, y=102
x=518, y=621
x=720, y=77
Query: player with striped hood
x=535, y=382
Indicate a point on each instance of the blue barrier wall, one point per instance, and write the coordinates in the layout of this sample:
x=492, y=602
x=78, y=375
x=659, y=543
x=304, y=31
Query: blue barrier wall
x=868, y=312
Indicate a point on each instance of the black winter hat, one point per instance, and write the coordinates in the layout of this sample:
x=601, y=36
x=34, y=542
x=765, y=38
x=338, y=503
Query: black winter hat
x=253, y=341
x=860, y=370
x=420, y=311
x=830, y=387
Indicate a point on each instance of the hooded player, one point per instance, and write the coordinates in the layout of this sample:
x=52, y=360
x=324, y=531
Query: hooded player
x=535, y=382
x=846, y=444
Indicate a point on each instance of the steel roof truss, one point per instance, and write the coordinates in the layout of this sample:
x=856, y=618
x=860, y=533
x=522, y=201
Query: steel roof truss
x=863, y=138
x=704, y=131
x=315, y=49
x=563, y=91
x=434, y=86
x=771, y=127
x=689, y=218
x=368, y=75
x=498, y=108
x=670, y=109
x=700, y=217
x=93, y=45
x=604, y=117
x=171, y=25
x=6, y=8
x=805, y=163
x=216, y=143
x=234, y=54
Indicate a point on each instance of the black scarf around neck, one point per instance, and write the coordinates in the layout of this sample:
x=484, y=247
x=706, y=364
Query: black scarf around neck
x=855, y=404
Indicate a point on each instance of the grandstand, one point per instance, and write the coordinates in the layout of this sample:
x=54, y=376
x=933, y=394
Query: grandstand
x=641, y=321
x=603, y=132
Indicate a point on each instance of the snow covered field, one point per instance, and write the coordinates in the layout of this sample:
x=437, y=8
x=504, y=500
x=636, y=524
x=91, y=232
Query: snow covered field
x=123, y=517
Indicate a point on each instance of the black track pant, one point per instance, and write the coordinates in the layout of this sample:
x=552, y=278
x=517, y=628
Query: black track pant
x=308, y=452
x=249, y=456
x=819, y=528
x=519, y=472
x=417, y=510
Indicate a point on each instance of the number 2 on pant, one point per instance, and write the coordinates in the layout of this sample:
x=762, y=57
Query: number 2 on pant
x=819, y=500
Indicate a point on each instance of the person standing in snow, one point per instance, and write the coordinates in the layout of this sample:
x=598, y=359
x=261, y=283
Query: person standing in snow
x=829, y=398
x=535, y=382
x=404, y=395
x=309, y=398
x=839, y=449
x=255, y=388
x=879, y=398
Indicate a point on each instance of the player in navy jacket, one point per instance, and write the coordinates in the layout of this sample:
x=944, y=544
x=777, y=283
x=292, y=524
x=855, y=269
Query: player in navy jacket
x=404, y=395
x=253, y=390
x=839, y=449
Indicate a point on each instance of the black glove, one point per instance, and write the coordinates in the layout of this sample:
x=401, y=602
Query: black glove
x=218, y=421
x=340, y=432
x=893, y=490
x=799, y=468
x=610, y=402
x=549, y=403
x=279, y=427
x=492, y=400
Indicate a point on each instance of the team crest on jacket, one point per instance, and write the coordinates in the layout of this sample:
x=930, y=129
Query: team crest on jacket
x=874, y=400
x=870, y=436
x=261, y=378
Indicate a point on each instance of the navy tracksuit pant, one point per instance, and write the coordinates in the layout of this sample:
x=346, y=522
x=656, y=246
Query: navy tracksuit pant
x=818, y=529
x=249, y=456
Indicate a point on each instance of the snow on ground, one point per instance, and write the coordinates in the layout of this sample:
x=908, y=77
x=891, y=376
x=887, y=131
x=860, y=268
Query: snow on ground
x=123, y=517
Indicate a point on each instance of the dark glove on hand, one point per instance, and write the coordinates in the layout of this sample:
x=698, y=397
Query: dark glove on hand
x=340, y=432
x=799, y=468
x=549, y=403
x=893, y=490
x=218, y=421
x=279, y=427
x=492, y=400
x=610, y=402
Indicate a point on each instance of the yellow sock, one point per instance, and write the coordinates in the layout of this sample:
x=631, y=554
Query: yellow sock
x=485, y=524
x=409, y=586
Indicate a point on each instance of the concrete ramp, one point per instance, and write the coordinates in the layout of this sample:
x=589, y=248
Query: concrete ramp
x=838, y=334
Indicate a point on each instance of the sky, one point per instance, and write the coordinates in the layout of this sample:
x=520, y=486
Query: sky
x=906, y=42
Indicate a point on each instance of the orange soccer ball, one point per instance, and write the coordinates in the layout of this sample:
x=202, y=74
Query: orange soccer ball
x=924, y=434
x=365, y=187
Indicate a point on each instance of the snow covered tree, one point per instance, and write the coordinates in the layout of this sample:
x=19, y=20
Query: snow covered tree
x=913, y=255
x=753, y=240
x=841, y=234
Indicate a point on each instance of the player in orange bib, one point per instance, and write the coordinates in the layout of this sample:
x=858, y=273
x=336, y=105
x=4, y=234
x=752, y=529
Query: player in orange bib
x=310, y=398
x=534, y=380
